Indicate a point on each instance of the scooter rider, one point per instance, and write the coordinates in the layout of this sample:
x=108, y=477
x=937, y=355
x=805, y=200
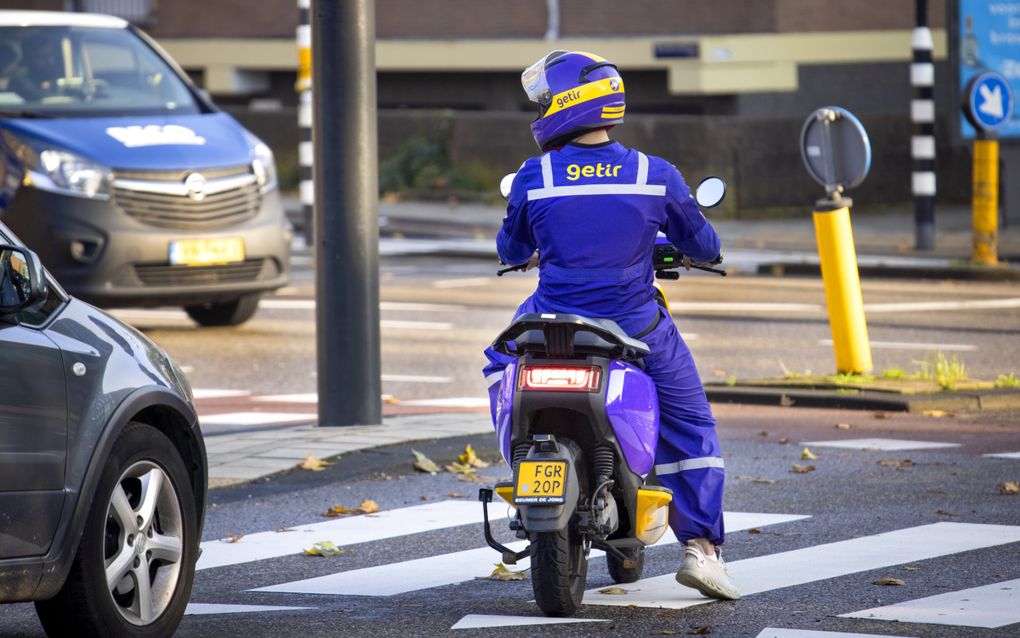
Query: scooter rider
x=592, y=208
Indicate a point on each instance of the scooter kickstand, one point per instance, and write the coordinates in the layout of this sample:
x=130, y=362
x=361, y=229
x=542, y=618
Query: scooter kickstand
x=510, y=557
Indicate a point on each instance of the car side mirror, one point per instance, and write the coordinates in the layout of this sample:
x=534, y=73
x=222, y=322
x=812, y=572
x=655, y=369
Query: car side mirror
x=22, y=282
x=710, y=192
x=506, y=184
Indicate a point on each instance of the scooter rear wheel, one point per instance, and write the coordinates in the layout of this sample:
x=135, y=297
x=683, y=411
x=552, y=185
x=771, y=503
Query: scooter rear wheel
x=559, y=569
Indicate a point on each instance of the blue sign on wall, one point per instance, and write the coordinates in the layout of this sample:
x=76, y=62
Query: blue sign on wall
x=989, y=40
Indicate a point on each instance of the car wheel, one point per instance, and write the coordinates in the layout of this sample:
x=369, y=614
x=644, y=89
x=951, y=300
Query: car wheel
x=225, y=313
x=135, y=564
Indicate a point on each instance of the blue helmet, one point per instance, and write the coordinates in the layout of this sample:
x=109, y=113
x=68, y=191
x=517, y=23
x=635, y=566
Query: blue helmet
x=575, y=92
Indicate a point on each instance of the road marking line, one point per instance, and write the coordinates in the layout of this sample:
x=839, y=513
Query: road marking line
x=128, y=315
x=456, y=402
x=256, y=418
x=416, y=325
x=203, y=609
x=457, y=567
x=774, y=632
x=277, y=303
x=343, y=531
x=905, y=345
x=307, y=397
x=959, y=304
x=989, y=606
x=678, y=307
x=464, y=282
x=882, y=445
x=1003, y=455
x=481, y=621
x=820, y=562
x=205, y=393
x=411, y=378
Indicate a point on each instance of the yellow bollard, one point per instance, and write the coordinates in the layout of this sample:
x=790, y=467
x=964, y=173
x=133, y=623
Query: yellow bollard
x=985, y=203
x=842, y=282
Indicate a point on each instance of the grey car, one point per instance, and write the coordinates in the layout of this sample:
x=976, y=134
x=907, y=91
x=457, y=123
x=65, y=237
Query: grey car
x=103, y=473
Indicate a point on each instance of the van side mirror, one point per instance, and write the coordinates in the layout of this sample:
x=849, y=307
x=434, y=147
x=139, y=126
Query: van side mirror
x=710, y=192
x=22, y=282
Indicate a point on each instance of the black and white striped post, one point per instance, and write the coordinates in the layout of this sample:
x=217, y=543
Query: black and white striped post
x=922, y=143
x=304, y=89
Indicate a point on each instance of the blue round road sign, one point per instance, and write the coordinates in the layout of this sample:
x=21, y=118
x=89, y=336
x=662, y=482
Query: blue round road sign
x=989, y=102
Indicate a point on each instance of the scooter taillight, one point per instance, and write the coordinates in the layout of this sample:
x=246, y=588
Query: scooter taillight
x=559, y=378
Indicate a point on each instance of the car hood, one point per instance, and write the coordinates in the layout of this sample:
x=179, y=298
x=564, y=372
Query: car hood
x=170, y=142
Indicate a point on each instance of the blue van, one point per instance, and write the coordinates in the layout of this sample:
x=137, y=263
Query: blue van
x=126, y=179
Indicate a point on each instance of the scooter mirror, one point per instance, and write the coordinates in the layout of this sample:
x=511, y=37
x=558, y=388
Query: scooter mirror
x=710, y=192
x=505, y=184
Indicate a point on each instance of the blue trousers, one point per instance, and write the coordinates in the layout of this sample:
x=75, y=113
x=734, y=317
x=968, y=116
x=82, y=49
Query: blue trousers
x=687, y=459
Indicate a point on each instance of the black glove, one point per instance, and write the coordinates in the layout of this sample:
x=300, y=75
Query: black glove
x=716, y=261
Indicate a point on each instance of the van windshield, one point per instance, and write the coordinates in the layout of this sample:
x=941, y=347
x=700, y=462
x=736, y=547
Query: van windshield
x=65, y=71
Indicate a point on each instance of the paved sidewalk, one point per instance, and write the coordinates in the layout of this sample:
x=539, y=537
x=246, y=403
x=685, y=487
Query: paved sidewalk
x=239, y=457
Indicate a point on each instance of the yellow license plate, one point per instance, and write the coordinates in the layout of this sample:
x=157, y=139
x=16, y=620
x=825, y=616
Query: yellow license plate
x=540, y=482
x=206, y=252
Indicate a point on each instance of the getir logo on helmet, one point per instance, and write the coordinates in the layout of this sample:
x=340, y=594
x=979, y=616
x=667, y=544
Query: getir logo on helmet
x=569, y=96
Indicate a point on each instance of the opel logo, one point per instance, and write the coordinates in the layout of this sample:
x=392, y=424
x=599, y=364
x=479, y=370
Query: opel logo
x=195, y=183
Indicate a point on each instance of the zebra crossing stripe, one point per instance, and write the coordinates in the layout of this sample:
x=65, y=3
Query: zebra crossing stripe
x=343, y=532
x=773, y=632
x=820, y=562
x=883, y=445
x=206, y=609
x=989, y=606
x=458, y=567
x=1004, y=455
x=481, y=621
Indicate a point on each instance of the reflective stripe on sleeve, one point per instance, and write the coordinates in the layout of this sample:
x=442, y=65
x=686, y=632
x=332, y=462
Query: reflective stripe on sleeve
x=596, y=189
x=547, y=178
x=642, y=168
x=690, y=464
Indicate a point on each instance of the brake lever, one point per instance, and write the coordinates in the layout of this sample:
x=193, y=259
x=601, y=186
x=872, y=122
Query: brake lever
x=501, y=272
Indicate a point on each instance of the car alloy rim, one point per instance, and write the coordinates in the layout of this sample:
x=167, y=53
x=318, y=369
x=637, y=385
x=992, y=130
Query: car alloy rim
x=143, y=544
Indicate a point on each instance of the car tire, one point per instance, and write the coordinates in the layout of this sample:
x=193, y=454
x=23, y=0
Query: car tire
x=142, y=526
x=224, y=313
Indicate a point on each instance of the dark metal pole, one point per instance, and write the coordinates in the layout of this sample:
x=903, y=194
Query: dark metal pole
x=346, y=218
x=922, y=144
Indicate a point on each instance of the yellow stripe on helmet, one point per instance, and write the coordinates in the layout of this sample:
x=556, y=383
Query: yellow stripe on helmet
x=584, y=93
x=590, y=55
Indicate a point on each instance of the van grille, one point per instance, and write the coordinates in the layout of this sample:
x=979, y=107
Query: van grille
x=165, y=210
x=165, y=275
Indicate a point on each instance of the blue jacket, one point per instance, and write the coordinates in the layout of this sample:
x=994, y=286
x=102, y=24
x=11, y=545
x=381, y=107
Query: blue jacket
x=594, y=212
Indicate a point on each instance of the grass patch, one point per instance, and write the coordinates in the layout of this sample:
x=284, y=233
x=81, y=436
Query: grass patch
x=947, y=372
x=1007, y=381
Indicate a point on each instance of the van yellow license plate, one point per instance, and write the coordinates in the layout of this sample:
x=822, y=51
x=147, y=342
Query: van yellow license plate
x=541, y=482
x=206, y=252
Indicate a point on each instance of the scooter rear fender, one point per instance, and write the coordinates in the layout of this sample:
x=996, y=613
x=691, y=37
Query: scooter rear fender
x=551, y=517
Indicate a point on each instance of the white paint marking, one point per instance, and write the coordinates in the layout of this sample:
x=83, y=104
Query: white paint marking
x=343, y=531
x=458, y=567
x=456, y=402
x=205, y=393
x=416, y=325
x=989, y=606
x=256, y=418
x=906, y=345
x=820, y=562
x=881, y=445
x=931, y=306
x=1004, y=455
x=481, y=621
x=913, y=306
x=276, y=303
x=465, y=282
x=742, y=306
x=410, y=378
x=773, y=632
x=129, y=315
x=203, y=609
x=307, y=397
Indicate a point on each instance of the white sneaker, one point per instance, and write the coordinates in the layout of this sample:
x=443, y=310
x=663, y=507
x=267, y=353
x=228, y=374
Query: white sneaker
x=706, y=573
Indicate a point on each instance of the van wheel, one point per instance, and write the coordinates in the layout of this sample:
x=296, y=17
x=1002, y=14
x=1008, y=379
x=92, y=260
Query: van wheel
x=224, y=313
x=135, y=564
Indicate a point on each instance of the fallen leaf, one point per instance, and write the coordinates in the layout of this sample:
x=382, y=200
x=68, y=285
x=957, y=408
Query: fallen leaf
x=325, y=549
x=460, y=468
x=763, y=433
x=897, y=463
x=937, y=413
x=664, y=632
x=614, y=591
x=944, y=513
x=390, y=400
x=368, y=506
x=472, y=477
x=423, y=463
x=456, y=495
x=1009, y=487
x=313, y=464
x=380, y=476
x=470, y=458
x=423, y=498
x=786, y=401
x=719, y=374
x=842, y=426
x=762, y=481
x=911, y=568
x=889, y=581
x=754, y=530
x=503, y=573
x=807, y=455
x=233, y=539
x=802, y=469
x=699, y=631
x=281, y=530
x=783, y=441
x=880, y=415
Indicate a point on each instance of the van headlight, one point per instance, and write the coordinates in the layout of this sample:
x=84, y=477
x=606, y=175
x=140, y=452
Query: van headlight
x=72, y=174
x=264, y=167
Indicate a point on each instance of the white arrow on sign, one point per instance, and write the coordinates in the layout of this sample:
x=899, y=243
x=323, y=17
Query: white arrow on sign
x=992, y=104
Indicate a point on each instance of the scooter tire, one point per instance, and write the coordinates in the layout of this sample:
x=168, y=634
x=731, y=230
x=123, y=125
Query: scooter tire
x=621, y=574
x=559, y=570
